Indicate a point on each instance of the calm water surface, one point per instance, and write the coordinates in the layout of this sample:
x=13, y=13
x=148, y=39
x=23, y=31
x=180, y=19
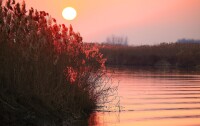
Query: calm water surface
x=152, y=98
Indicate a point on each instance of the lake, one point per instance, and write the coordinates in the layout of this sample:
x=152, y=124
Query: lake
x=152, y=98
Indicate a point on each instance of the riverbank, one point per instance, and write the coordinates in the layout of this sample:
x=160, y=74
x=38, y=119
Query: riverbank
x=164, y=55
x=33, y=112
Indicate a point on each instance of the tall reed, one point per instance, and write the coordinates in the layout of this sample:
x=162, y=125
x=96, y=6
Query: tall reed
x=46, y=69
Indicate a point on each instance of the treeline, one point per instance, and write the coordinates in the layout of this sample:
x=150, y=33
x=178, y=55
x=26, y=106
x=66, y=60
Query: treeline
x=188, y=41
x=181, y=55
x=116, y=40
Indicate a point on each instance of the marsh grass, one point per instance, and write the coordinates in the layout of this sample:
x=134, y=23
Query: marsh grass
x=47, y=72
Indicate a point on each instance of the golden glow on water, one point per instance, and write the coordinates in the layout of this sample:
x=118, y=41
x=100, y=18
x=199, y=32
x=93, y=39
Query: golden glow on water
x=154, y=99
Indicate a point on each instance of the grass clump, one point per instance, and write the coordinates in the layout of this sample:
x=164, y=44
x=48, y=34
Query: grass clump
x=47, y=72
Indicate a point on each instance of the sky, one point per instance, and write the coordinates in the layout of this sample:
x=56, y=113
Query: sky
x=142, y=21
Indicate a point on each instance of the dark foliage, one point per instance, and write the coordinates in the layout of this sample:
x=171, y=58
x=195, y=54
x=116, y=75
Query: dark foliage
x=181, y=55
x=46, y=70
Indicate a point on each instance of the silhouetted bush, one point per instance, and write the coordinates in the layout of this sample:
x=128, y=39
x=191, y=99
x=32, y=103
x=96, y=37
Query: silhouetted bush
x=46, y=70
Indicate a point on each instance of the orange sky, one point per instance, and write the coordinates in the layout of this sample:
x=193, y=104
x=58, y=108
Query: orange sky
x=142, y=21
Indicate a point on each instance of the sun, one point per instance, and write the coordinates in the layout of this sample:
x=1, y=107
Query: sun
x=69, y=13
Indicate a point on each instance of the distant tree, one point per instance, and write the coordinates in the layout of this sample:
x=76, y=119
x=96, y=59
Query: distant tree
x=179, y=55
x=117, y=40
x=188, y=41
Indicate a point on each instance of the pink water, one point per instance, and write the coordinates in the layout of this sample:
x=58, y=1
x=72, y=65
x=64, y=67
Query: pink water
x=152, y=98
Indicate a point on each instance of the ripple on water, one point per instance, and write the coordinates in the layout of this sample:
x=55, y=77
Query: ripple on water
x=167, y=99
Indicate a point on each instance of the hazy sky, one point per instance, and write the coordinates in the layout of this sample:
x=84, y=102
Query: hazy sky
x=142, y=21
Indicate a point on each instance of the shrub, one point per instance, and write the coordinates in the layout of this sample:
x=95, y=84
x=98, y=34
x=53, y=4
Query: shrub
x=45, y=66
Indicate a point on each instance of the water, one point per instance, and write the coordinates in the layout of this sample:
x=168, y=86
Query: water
x=153, y=98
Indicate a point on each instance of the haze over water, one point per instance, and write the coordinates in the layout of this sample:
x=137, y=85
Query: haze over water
x=153, y=98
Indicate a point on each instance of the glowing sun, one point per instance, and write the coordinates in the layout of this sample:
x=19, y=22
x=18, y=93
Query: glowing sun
x=69, y=13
